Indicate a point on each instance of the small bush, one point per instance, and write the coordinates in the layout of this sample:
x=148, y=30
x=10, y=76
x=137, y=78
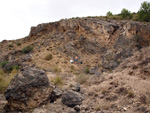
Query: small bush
x=72, y=68
x=57, y=70
x=10, y=45
x=27, y=49
x=18, y=44
x=81, y=78
x=3, y=63
x=16, y=67
x=130, y=94
x=49, y=57
x=58, y=81
x=86, y=70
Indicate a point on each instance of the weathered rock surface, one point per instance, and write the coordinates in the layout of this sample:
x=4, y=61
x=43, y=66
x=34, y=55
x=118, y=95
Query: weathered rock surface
x=27, y=90
x=71, y=98
x=82, y=37
x=56, y=93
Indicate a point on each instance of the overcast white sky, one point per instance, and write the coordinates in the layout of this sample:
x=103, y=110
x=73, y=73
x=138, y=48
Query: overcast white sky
x=17, y=16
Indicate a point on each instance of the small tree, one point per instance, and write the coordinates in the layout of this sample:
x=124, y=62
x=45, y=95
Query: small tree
x=144, y=12
x=109, y=13
x=126, y=14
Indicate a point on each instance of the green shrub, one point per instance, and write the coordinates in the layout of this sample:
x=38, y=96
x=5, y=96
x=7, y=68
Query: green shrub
x=18, y=44
x=126, y=14
x=3, y=63
x=16, y=67
x=49, y=57
x=109, y=13
x=10, y=45
x=27, y=49
x=144, y=12
x=87, y=70
x=81, y=78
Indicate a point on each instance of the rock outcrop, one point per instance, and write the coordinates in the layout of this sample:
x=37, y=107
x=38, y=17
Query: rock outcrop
x=71, y=98
x=27, y=90
x=114, y=51
x=92, y=36
x=107, y=42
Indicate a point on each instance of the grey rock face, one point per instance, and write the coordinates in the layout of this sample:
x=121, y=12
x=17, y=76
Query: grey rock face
x=27, y=90
x=56, y=93
x=76, y=88
x=71, y=98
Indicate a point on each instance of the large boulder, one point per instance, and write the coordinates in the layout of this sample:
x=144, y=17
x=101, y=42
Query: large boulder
x=27, y=90
x=72, y=98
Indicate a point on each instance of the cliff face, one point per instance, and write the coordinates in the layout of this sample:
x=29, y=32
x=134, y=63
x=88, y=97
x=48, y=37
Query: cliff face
x=98, y=43
x=95, y=37
x=99, y=30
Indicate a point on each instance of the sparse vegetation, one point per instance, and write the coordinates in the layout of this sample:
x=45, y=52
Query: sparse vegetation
x=49, y=57
x=104, y=91
x=99, y=107
x=10, y=45
x=16, y=67
x=82, y=78
x=57, y=81
x=18, y=44
x=27, y=49
x=3, y=63
x=5, y=79
x=72, y=68
x=57, y=70
x=87, y=70
x=130, y=94
x=8, y=70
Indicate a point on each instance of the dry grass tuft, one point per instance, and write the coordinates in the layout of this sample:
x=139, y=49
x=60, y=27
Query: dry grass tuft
x=57, y=81
x=82, y=78
x=49, y=57
x=5, y=79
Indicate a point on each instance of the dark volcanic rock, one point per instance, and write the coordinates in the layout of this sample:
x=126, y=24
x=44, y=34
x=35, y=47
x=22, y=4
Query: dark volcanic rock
x=56, y=93
x=76, y=88
x=71, y=98
x=27, y=90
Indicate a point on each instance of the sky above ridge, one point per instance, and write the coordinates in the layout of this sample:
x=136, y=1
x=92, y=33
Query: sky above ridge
x=17, y=16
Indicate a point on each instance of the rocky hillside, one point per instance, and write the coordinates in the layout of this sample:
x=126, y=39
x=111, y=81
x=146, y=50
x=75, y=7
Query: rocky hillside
x=97, y=43
x=110, y=68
